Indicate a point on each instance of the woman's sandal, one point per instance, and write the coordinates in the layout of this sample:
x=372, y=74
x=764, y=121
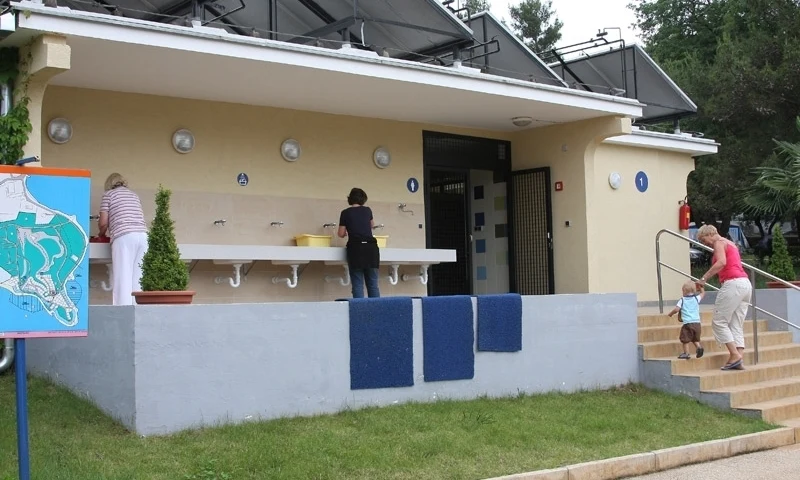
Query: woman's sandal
x=737, y=365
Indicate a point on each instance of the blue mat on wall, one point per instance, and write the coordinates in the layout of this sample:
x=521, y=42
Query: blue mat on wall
x=500, y=323
x=448, y=338
x=381, y=343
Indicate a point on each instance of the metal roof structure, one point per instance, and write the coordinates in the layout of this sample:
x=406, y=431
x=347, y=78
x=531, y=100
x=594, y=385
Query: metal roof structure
x=409, y=29
x=498, y=51
x=630, y=72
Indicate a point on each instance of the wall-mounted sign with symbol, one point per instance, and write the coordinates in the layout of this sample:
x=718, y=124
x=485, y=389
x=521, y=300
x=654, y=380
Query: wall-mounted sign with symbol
x=412, y=184
x=242, y=179
x=642, y=182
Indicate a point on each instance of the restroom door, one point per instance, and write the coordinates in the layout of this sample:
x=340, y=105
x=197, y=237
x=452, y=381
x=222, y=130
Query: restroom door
x=531, y=224
x=447, y=219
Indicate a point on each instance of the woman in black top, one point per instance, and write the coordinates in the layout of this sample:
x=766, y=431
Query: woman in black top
x=363, y=257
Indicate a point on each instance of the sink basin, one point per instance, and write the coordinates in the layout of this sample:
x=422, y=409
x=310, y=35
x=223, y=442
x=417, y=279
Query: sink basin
x=308, y=240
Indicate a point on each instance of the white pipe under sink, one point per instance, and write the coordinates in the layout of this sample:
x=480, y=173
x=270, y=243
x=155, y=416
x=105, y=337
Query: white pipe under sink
x=393, y=277
x=422, y=276
x=344, y=280
x=291, y=282
x=234, y=281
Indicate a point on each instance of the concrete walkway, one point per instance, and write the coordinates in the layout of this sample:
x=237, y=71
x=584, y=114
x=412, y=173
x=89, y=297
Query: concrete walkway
x=779, y=464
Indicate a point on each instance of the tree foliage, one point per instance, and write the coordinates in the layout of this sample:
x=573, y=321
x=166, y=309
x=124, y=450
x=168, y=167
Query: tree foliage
x=780, y=263
x=776, y=191
x=162, y=267
x=738, y=60
x=476, y=6
x=535, y=22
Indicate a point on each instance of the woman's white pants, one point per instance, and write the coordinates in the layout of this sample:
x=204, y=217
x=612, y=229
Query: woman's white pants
x=127, y=253
x=730, y=310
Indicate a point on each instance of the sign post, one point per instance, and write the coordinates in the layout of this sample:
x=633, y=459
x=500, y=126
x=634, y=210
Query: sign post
x=44, y=269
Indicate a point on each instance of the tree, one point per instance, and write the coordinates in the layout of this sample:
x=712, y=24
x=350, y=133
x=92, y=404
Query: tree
x=780, y=263
x=162, y=267
x=737, y=59
x=475, y=6
x=536, y=24
x=776, y=191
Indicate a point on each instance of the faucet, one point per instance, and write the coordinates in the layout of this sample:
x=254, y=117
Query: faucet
x=328, y=225
x=403, y=209
x=94, y=217
x=378, y=226
x=220, y=222
x=276, y=224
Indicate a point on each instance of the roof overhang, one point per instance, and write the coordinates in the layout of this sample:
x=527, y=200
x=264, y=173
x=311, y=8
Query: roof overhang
x=128, y=55
x=681, y=142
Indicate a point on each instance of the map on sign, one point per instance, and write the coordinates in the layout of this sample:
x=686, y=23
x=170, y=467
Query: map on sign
x=44, y=252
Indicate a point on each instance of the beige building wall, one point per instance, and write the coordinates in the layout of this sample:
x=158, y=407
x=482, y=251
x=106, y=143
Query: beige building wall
x=626, y=221
x=567, y=150
x=131, y=134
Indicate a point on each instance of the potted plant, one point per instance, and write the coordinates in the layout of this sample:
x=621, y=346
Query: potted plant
x=780, y=263
x=164, y=275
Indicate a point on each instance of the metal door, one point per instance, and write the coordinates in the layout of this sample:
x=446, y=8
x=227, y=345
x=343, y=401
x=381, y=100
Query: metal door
x=448, y=229
x=531, y=236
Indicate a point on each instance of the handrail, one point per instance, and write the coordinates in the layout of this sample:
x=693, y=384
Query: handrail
x=753, y=272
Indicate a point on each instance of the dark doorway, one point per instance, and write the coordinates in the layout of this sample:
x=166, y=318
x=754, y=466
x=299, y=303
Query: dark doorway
x=531, y=232
x=448, y=161
x=447, y=220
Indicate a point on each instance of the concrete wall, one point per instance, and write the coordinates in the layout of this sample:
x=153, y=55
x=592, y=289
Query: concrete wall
x=208, y=364
x=100, y=367
x=782, y=302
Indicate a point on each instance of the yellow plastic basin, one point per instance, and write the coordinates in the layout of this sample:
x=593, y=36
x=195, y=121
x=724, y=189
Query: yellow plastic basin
x=307, y=240
x=382, y=239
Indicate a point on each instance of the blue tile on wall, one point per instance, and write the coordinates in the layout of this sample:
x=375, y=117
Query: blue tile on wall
x=481, y=273
x=477, y=192
x=480, y=246
x=480, y=219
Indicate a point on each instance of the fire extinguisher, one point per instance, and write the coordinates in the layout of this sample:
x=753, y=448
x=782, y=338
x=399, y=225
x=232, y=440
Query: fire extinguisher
x=684, y=214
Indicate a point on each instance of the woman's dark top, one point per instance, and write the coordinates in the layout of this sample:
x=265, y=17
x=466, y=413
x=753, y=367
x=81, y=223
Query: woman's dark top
x=362, y=248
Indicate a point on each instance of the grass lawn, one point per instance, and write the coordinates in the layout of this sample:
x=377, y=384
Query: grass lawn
x=70, y=439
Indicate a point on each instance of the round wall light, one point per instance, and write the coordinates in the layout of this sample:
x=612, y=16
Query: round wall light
x=615, y=180
x=183, y=141
x=290, y=150
x=59, y=130
x=381, y=157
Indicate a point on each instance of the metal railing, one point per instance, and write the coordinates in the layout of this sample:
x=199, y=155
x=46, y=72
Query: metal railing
x=754, y=309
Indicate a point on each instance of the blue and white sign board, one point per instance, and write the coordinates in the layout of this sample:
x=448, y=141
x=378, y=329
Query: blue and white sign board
x=412, y=185
x=44, y=252
x=242, y=179
x=642, y=182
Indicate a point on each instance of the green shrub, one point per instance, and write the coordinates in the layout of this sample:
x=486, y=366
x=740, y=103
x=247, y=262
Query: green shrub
x=162, y=267
x=780, y=264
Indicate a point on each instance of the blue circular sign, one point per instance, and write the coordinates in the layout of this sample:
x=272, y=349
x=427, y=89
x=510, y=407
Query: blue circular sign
x=412, y=184
x=242, y=179
x=642, y=182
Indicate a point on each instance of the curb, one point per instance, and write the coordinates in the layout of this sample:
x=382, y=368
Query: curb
x=666, y=459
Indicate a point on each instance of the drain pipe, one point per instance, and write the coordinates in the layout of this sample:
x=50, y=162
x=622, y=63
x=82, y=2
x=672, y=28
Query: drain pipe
x=7, y=356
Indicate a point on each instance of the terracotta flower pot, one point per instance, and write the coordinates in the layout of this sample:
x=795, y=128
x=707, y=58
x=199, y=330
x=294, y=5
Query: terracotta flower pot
x=164, y=298
x=780, y=285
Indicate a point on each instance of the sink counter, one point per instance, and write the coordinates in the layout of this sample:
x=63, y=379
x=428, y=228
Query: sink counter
x=101, y=253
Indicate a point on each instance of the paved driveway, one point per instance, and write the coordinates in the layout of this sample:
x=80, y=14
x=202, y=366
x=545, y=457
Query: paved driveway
x=780, y=464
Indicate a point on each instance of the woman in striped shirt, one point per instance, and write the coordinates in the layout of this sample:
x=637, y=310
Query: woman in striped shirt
x=121, y=216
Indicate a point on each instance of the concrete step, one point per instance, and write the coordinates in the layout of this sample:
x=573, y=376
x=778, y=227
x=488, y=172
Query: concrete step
x=760, y=391
x=794, y=423
x=715, y=360
x=774, y=411
x=672, y=348
x=662, y=320
x=659, y=334
x=763, y=372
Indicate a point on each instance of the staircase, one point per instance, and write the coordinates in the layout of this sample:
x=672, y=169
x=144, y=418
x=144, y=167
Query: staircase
x=769, y=390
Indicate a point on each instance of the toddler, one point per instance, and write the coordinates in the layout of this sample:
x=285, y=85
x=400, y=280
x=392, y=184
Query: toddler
x=688, y=310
